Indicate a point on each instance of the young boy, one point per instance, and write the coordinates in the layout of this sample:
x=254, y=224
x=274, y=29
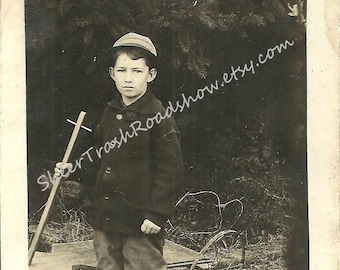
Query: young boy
x=137, y=184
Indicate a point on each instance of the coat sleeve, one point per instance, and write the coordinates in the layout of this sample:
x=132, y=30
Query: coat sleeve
x=167, y=171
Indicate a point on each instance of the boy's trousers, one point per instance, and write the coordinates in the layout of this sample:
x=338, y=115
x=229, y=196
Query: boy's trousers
x=116, y=251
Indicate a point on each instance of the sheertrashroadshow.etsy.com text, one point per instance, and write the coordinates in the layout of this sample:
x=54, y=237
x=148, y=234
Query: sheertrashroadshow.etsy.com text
x=179, y=106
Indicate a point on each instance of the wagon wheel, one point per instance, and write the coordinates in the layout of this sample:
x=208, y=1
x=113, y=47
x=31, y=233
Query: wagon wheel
x=225, y=250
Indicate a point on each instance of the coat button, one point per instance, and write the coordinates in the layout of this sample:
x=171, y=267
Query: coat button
x=108, y=170
x=107, y=219
x=119, y=116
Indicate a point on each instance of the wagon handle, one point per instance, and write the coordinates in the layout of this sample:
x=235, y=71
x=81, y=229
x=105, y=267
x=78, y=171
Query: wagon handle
x=51, y=198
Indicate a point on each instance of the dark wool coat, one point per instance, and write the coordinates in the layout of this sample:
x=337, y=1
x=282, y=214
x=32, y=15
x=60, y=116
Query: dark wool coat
x=141, y=166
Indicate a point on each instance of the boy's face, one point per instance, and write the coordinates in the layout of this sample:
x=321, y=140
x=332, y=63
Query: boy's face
x=131, y=77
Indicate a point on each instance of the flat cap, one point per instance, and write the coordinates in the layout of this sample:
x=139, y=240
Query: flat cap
x=136, y=40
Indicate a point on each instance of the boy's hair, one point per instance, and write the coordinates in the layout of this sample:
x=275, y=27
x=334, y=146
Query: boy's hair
x=135, y=53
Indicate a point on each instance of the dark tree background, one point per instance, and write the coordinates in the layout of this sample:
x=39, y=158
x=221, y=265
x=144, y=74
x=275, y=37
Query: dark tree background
x=245, y=141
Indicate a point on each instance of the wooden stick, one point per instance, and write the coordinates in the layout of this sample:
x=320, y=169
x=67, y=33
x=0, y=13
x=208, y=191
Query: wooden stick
x=189, y=263
x=51, y=198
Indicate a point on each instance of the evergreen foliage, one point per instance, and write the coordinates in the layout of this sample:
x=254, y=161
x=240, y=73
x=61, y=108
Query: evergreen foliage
x=86, y=27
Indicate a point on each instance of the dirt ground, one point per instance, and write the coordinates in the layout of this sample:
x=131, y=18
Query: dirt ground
x=266, y=254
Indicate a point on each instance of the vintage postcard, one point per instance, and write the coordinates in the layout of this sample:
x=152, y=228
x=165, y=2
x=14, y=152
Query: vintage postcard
x=198, y=133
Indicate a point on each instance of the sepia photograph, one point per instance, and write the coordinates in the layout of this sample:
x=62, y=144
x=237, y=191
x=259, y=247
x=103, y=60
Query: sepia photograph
x=195, y=127
x=166, y=135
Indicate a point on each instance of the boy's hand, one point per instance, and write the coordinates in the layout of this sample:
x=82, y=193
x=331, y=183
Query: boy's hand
x=149, y=227
x=63, y=171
